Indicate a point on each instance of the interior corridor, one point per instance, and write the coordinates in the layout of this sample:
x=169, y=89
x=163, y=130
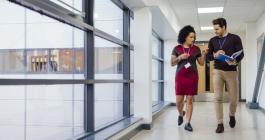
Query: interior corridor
x=111, y=69
x=250, y=125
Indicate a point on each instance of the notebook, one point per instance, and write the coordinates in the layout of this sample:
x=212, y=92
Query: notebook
x=224, y=58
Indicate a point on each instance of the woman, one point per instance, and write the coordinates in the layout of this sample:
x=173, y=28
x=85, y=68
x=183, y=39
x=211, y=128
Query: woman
x=185, y=56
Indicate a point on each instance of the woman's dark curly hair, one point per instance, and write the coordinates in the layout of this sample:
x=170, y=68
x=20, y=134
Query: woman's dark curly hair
x=184, y=32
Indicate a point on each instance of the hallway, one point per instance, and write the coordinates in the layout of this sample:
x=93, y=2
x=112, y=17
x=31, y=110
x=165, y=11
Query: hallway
x=104, y=69
x=250, y=125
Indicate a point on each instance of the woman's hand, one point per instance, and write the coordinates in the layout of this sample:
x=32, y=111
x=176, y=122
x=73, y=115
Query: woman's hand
x=184, y=56
x=175, y=60
x=205, y=52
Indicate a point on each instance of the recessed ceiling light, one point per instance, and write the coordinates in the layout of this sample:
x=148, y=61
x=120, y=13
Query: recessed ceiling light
x=96, y=15
x=117, y=31
x=211, y=10
x=207, y=28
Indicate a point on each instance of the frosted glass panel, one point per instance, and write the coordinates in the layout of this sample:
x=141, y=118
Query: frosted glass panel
x=108, y=97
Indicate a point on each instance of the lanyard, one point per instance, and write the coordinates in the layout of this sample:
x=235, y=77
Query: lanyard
x=185, y=51
x=221, y=45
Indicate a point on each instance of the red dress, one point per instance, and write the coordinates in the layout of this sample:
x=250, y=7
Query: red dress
x=186, y=79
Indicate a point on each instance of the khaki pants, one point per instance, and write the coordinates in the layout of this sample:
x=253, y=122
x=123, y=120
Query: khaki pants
x=230, y=79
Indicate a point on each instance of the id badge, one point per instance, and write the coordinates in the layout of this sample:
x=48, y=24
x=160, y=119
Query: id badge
x=187, y=65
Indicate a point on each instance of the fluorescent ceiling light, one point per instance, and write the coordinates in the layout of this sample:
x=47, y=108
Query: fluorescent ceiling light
x=211, y=10
x=207, y=28
x=116, y=52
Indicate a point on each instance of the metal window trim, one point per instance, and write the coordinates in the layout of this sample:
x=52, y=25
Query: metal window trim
x=162, y=96
x=111, y=38
x=155, y=34
x=51, y=10
x=71, y=7
x=131, y=47
x=59, y=81
x=126, y=64
x=37, y=6
x=63, y=15
x=161, y=66
x=157, y=58
x=89, y=94
x=109, y=124
x=121, y=5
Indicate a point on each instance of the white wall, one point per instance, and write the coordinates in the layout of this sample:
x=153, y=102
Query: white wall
x=251, y=59
x=243, y=67
x=169, y=13
x=166, y=25
x=254, y=30
x=169, y=74
x=261, y=29
x=167, y=10
x=141, y=37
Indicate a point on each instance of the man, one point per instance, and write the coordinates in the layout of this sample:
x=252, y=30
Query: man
x=225, y=72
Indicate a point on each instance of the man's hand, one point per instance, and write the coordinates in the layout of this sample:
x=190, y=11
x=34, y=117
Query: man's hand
x=231, y=63
x=218, y=53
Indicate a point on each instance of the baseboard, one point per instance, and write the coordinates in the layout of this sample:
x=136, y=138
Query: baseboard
x=262, y=109
x=147, y=126
x=243, y=100
x=252, y=105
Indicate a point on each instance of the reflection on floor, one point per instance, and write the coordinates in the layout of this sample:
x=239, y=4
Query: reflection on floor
x=250, y=125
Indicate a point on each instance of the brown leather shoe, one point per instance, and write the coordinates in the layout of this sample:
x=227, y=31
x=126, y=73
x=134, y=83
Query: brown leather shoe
x=220, y=128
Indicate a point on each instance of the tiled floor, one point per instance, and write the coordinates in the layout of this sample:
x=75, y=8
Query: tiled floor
x=250, y=125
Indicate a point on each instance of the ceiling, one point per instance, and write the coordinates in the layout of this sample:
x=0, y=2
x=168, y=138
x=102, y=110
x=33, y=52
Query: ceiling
x=237, y=12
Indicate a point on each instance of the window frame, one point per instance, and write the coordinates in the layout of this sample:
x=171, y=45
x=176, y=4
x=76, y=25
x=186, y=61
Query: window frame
x=86, y=24
x=160, y=60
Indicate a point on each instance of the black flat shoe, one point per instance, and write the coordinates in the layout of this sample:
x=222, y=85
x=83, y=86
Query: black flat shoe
x=188, y=127
x=180, y=119
x=220, y=128
x=232, y=121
